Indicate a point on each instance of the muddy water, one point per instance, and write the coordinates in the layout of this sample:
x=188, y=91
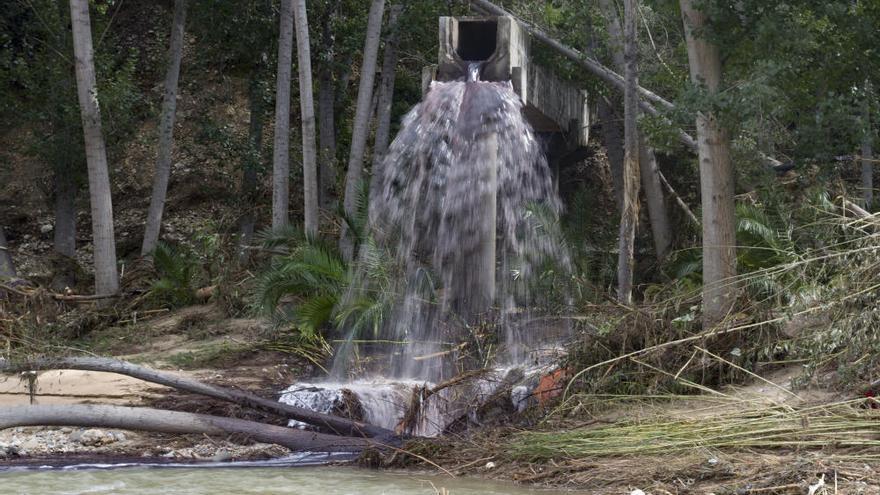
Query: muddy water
x=264, y=481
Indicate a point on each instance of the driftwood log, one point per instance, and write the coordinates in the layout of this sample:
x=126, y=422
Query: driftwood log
x=157, y=420
x=334, y=424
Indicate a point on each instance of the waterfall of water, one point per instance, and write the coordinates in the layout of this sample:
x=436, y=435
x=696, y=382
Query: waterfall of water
x=463, y=189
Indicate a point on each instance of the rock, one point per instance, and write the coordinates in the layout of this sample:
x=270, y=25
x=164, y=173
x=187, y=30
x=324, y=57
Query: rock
x=8, y=451
x=46, y=228
x=490, y=465
x=95, y=438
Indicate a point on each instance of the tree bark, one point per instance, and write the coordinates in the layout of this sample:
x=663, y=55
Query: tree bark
x=629, y=215
x=251, y=163
x=157, y=420
x=103, y=243
x=65, y=230
x=868, y=154
x=716, y=177
x=648, y=169
x=7, y=268
x=339, y=426
x=281, y=152
x=65, y=214
x=612, y=138
x=386, y=96
x=360, y=132
x=307, y=107
x=166, y=131
x=327, y=136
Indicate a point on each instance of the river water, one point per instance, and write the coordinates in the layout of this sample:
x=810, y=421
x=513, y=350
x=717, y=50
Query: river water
x=333, y=480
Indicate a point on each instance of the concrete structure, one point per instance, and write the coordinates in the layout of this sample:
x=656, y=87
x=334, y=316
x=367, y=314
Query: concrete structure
x=551, y=104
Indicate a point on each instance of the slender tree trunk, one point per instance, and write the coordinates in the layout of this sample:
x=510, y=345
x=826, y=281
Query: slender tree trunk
x=649, y=171
x=281, y=154
x=65, y=214
x=327, y=119
x=158, y=420
x=716, y=177
x=612, y=138
x=103, y=243
x=327, y=136
x=64, y=269
x=868, y=154
x=386, y=96
x=629, y=215
x=166, y=131
x=248, y=194
x=307, y=109
x=360, y=132
x=7, y=268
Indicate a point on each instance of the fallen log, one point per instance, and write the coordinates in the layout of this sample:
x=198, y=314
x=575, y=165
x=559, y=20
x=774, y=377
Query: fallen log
x=647, y=98
x=335, y=424
x=161, y=421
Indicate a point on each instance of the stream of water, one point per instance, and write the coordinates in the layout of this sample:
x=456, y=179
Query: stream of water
x=263, y=481
x=462, y=223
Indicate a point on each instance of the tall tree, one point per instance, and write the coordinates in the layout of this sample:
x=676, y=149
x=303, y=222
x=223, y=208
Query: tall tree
x=103, y=243
x=386, y=96
x=648, y=169
x=166, y=131
x=867, y=151
x=629, y=213
x=354, y=174
x=716, y=175
x=281, y=153
x=252, y=162
x=307, y=108
x=327, y=110
x=7, y=268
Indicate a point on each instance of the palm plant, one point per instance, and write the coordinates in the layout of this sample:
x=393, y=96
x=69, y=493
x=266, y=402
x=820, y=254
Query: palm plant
x=177, y=269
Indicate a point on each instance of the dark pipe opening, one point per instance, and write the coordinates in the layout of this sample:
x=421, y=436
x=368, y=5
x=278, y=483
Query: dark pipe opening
x=476, y=40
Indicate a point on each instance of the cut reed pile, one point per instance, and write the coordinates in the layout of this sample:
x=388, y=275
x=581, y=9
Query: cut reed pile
x=849, y=424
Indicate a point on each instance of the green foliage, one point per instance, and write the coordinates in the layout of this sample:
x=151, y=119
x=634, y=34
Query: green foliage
x=312, y=288
x=37, y=72
x=177, y=269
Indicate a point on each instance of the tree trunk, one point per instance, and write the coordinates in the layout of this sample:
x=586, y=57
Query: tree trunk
x=307, y=108
x=65, y=231
x=340, y=426
x=716, y=177
x=103, y=243
x=7, y=268
x=612, y=138
x=248, y=191
x=649, y=171
x=327, y=137
x=166, y=132
x=868, y=154
x=386, y=96
x=157, y=420
x=281, y=154
x=360, y=132
x=629, y=215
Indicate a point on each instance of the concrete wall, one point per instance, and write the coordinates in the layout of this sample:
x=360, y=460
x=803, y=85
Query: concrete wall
x=552, y=105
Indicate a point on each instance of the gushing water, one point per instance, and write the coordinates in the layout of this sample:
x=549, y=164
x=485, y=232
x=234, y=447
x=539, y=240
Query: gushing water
x=464, y=217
